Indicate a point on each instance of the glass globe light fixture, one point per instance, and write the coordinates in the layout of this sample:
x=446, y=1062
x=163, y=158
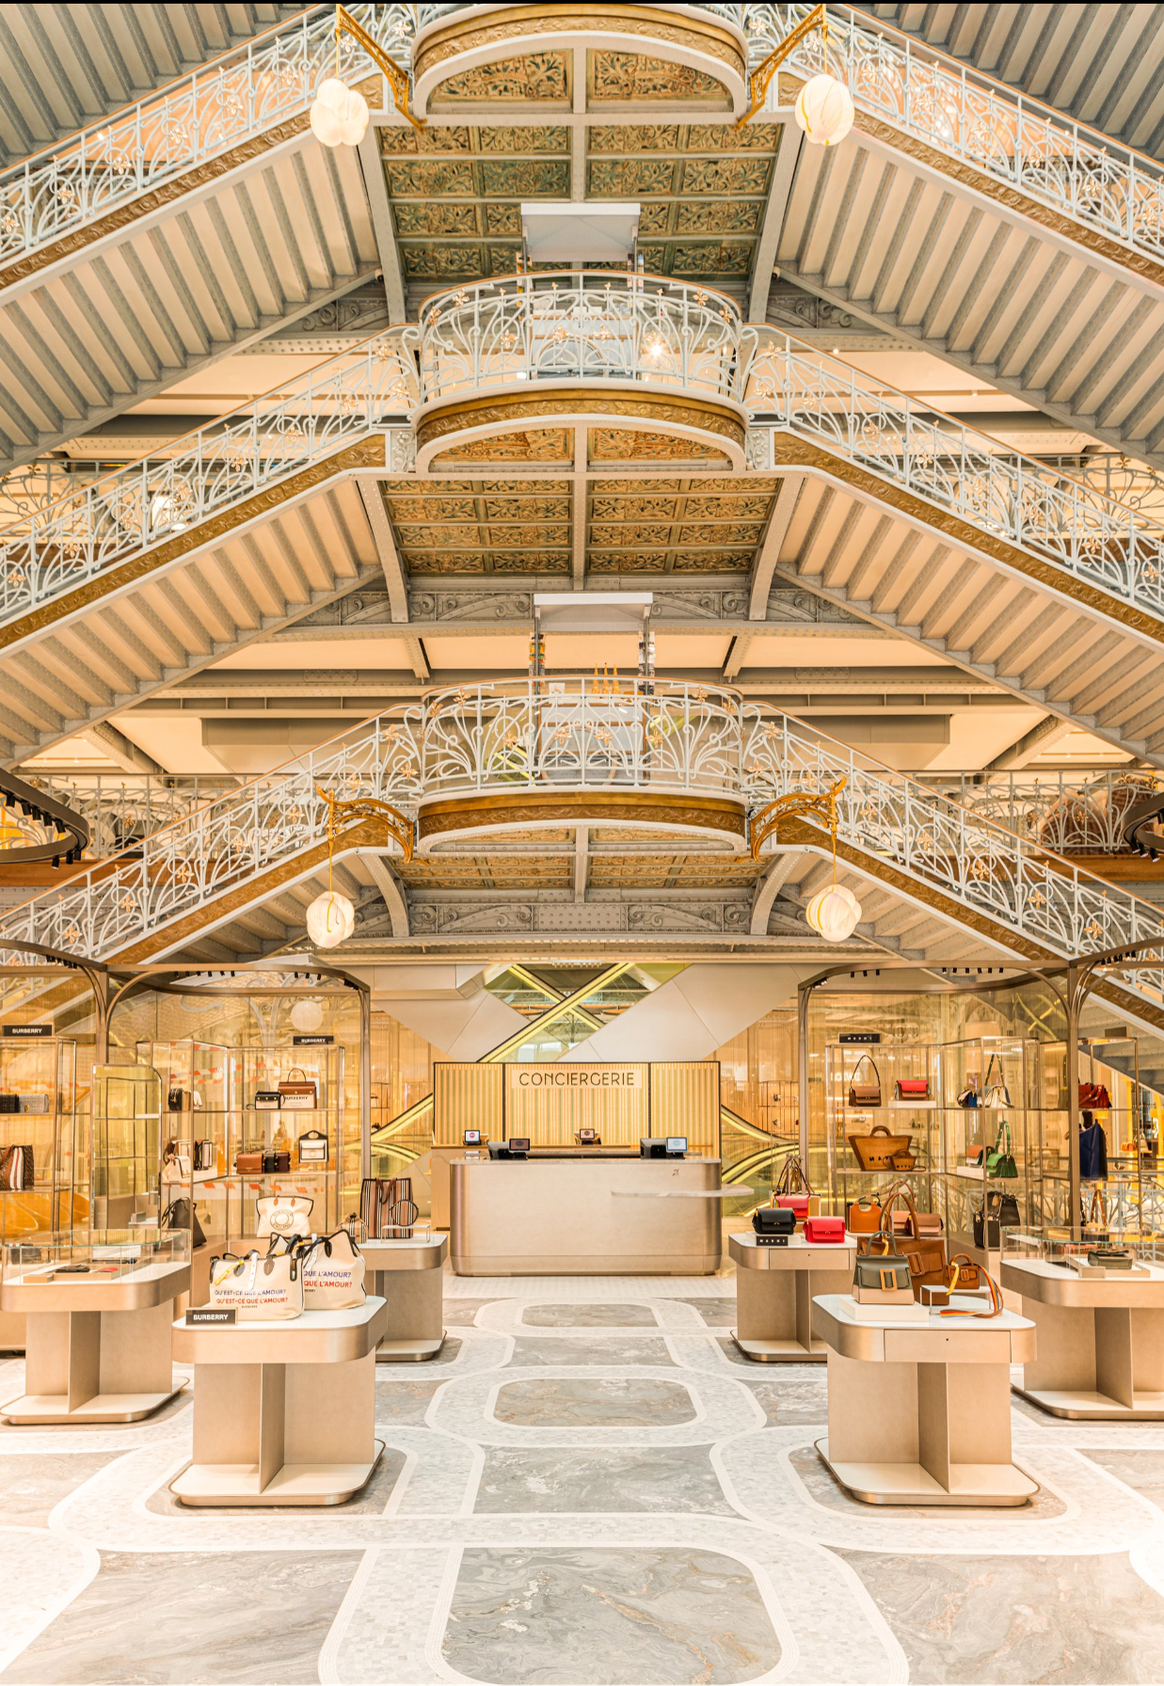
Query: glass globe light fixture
x=835, y=913
x=824, y=110
x=339, y=115
x=331, y=919
x=307, y=1015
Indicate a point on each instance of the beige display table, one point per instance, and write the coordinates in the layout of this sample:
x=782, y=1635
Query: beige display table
x=284, y=1413
x=1101, y=1344
x=597, y=1215
x=919, y=1412
x=774, y=1293
x=97, y=1348
x=409, y=1277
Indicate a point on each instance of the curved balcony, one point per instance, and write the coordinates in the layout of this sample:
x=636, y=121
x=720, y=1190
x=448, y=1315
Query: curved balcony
x=639, y=753
x=624, y=353
x=466, y=57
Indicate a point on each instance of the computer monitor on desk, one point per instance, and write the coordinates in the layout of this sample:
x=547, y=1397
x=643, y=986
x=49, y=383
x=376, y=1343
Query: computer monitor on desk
x=662, y=1147
x=517, y=1147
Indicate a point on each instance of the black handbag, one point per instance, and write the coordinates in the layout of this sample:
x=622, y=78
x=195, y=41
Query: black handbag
x=180, y=1214
x=774, y=1220
x=1092, y=1150
x=1000, y=1209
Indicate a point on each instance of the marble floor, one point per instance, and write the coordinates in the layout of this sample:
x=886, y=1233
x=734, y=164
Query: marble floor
x=589, y=1486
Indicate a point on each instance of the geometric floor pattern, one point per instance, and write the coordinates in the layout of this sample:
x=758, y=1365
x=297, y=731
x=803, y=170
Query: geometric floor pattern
x=589, y=1487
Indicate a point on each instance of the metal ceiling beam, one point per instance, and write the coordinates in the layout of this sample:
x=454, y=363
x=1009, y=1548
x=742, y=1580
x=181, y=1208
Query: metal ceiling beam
x=783, y=175
x=384, y=538
x=391, y=890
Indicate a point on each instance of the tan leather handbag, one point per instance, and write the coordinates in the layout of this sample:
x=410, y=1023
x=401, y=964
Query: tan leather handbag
x=926, y=1254
x=865, y=1093
x=876, y=1150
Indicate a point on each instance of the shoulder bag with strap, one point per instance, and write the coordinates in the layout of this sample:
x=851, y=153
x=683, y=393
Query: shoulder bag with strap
x=259, y=1288
x=298, y=1092
x=1000, y=1160
x=966, y=1275
x=333, y=1273
x=881, y=1274
x=283, y=1214
x=996, y=1093
x=792, y=1188
x=866, y=1094
x=925, y=1254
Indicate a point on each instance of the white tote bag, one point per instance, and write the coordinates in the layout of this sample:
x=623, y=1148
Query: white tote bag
x=283, y=1214
x=259, y=1289
x=333, y=1274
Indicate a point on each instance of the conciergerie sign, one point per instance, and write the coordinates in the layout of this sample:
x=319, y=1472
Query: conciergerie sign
x=581, y=1077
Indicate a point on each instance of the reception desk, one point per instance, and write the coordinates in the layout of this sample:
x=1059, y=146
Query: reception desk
x=588, y=1215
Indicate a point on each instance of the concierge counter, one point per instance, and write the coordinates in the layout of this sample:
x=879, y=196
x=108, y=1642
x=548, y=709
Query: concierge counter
x=591, y=1216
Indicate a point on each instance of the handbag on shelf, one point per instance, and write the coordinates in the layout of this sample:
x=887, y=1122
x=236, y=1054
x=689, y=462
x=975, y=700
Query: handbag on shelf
x=999, y=1209
x=863, y=1216
x=176, y=1164
x=268, y=1100
x=299, y=1094
x=1112, y=1258
x=9, y=1103
x=249, y=1161
x=824, y=1231
x=906, y=1159
x=996, y=1093
x=312, y=1148
x=875, y=1150
x=180, y=1214
x=959, y=1265
x=866, y=1094
x=881, y=1275
x=968, y=1097
x=792, y=1188
x=1000, y=1160
x=35, y=1103
x=16, y=1169
x=929, y=1223
x=1092, y=1149
x=387, y=1208
x=283, y=1214
x=259, y=1287
x=925, y=1254
x=276, y=1161
x=1094, y=1097
x=179, y=1100
x=333, y=1274
x=205, y=1157
x=911, y=1089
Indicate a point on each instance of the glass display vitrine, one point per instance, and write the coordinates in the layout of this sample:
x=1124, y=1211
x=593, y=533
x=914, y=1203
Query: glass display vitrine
x=127, y=1149
x=43, y=1158
x=910, y=1119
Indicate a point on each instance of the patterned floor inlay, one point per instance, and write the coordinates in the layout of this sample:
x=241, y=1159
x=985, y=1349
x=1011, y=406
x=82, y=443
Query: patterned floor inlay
x=1011, y=1621
x=31, y=1486
x=610, y=1349
x=596, y=1403
x=716, y=1313
x=790, y=1393
x=657, y=1478
x=589, y=1316
x=591, y=1617
x=1143, y=1470
x=257, y=1618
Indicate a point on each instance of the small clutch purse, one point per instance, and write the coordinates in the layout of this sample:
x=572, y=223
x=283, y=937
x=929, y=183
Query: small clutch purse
x=247, y=1163
x=912, y=1089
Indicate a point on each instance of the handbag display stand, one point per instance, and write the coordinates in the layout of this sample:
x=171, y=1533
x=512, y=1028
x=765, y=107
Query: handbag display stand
x=409, y=1277
x=97, y=1351
x=1101, y=1343
x=919, y=1411
x=284, y=1413
x=774, y=1293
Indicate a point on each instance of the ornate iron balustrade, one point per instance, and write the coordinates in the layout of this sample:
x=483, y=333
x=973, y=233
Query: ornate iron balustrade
x=457, y=740
x=1020, y=142
x=188, y=865
x=1076, y=811
x=110, y=519
x=582, y=734
x=963, y=855
x=593, y=326
x=170, y=132
x=1053, y=515
x=121, y=809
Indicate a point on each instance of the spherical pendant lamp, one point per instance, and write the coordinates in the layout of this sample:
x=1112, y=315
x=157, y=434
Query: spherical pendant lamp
x=331, y=919
x=339, y=115
x=835, y=913
x=307, y=1015
x=824, y=110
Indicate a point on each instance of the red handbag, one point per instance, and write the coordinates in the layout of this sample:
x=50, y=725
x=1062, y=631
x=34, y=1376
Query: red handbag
x=829, y=1230
x=912, y=1089
x=797, y=1203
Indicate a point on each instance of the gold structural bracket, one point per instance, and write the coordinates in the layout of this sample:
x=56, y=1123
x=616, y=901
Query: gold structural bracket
x=761, y=78
x=796, y=805
x=394, y=74
x=399, y=825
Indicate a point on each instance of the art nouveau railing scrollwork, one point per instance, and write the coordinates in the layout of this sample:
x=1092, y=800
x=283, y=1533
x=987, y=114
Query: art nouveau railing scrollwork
x=1021, y=143
x=592, y=326
x=1071, y=812
x=1042, y=510
x=140, y=147
x=118, y=515
x=582, y=734
x=963, y=855
x=184, y=868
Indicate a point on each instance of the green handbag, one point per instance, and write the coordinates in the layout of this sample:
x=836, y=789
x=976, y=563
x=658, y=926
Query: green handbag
x=1000, y=1158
